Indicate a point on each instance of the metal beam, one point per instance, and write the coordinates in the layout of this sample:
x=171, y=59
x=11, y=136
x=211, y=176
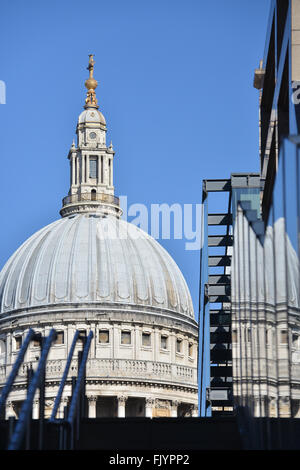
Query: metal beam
x=219, y=219
x=219, y=289
x=219, y=260
x=220, y=240
x=216, y=185
x=214, y=279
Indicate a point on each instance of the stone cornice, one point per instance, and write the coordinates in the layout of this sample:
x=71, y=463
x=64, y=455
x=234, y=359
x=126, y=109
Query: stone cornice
x=95, y=312
x=83, y=207
x=117, y=382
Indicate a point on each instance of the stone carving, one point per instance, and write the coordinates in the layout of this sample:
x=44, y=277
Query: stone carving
x=175, y=404
x=54, y=367
x=150, y=401
x=162, y=404
x=122, y=399
x=161, y=368
x=183, y=371
x=92, y=398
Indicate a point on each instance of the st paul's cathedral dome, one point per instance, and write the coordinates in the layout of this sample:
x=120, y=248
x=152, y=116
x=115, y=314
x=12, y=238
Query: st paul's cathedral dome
x=91, y=270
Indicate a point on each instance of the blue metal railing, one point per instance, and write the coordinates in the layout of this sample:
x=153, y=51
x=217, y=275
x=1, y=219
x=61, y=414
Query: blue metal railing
x=64, y=378
x=14, y=372
x=72, y=415
x=26, y=410
x=67, y=423
x=79, y=382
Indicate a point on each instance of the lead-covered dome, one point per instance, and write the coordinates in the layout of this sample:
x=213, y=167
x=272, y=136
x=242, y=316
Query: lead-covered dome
x=87, y=258
x=91, y=116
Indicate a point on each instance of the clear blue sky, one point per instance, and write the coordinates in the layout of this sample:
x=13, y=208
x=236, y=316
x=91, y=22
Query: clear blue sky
x=175, y=85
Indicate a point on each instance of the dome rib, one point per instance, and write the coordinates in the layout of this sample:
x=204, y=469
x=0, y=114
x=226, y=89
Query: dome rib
x=129, y=267
x=122, y=287
x=57, y=239
x=103, y=265
x=159, y=294
x=142, y=288
x=20, y=266
x=44, y=266
x=80, y=259
x=27, y=276
x=169, y=279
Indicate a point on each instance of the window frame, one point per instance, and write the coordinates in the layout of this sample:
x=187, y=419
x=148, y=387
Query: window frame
x=166, y=337
x=93, y=158
x=283, y=332
x=17, y=338
x=149, y=335
x=121, y=334
x=104, y=330
x=179, y=341
x=63, y=338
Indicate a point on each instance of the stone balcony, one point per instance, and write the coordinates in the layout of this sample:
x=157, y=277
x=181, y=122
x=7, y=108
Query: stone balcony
x=91, y=202
x=113, y=369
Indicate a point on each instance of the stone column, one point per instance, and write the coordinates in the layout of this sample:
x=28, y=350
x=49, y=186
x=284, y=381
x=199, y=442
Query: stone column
x=284, y=407
x=77, y=172
x=35, y=408
x=105, y=170
x=110, y=169
x=63, y=403
x=49, y=403
x=87, y=169
x=73, y=163
x=92, y=400
x=9, y=410
x=83, y=168
x=257, y=408
x=99, y=170
x=195, y=411
x=149, y=407
x=273, y=407
x=121, y=406
x=174, y=408
x=8, y=348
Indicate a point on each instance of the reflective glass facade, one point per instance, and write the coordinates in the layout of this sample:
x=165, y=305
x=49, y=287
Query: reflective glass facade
x=266, y=303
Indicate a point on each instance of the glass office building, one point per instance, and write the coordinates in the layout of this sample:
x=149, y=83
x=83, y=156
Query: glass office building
x=249, y=350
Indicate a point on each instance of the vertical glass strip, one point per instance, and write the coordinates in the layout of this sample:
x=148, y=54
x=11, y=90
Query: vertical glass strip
x=203, y=361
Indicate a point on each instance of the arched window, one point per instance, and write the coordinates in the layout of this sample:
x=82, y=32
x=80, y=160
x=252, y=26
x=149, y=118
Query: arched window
x=93, y=195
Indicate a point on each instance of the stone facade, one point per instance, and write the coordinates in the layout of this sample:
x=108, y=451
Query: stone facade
x=162, y=377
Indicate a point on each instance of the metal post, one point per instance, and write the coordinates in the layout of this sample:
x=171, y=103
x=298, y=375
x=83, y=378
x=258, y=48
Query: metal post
x=64, y=377
x=26, y=410
x=73, y=411
x=79, y=402
x=42, y=411
x=72, y=424
x=82, y=391
x=64, y=429
x=29, y=375
x=11, y=425
x=29, y=417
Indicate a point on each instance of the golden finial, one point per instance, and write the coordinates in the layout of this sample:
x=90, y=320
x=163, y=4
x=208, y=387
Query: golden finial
x=91, y=84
